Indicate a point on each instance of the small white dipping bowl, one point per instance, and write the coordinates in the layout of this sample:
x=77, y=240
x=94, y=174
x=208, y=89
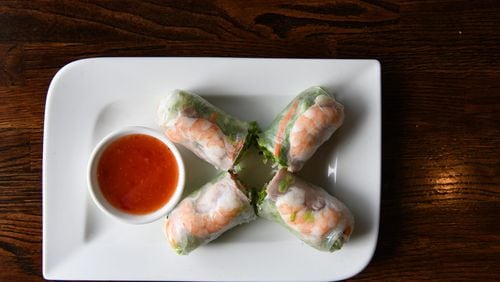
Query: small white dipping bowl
x=99, y=198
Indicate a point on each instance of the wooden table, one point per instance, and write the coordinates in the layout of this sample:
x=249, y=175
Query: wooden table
x=441, y=108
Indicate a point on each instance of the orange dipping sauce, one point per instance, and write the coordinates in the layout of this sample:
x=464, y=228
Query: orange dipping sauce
x=137, y=174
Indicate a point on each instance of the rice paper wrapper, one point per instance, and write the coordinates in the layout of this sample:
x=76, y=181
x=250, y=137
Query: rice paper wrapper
x=298, y=131
x=207, y=213
x=207, y=131
x=307, y=211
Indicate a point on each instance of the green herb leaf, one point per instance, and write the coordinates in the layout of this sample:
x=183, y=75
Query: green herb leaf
x=283, y=186
x=336, y=245
x=285, y=183
x=309, y=216
x=261, y=195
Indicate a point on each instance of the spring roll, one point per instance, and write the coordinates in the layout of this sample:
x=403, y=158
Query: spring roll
x=308, y=211
x=208, y=212
x=207, y=131
x=298, y=131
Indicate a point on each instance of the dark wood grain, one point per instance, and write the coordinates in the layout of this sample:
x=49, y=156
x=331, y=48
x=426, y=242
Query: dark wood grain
x=441, y=108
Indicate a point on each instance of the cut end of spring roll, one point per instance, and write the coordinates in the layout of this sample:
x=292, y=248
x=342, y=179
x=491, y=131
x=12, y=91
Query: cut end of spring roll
x=207, y=213
x=301, y=128
x=307, y=211
x=207, y=131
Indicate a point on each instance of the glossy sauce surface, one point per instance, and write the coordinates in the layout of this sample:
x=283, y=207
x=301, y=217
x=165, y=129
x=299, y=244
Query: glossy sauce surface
x=137, y=174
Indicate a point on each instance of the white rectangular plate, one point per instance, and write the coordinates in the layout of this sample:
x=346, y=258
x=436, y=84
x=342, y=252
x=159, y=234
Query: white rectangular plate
x=89, y=98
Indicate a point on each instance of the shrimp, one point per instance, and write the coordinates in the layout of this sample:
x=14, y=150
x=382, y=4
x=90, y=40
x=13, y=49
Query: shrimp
x=204, y=138
x=313, y=128
x=208, y=214
x=312, y=224
x=207, y=131
x=180, y=221
x=310, y=212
